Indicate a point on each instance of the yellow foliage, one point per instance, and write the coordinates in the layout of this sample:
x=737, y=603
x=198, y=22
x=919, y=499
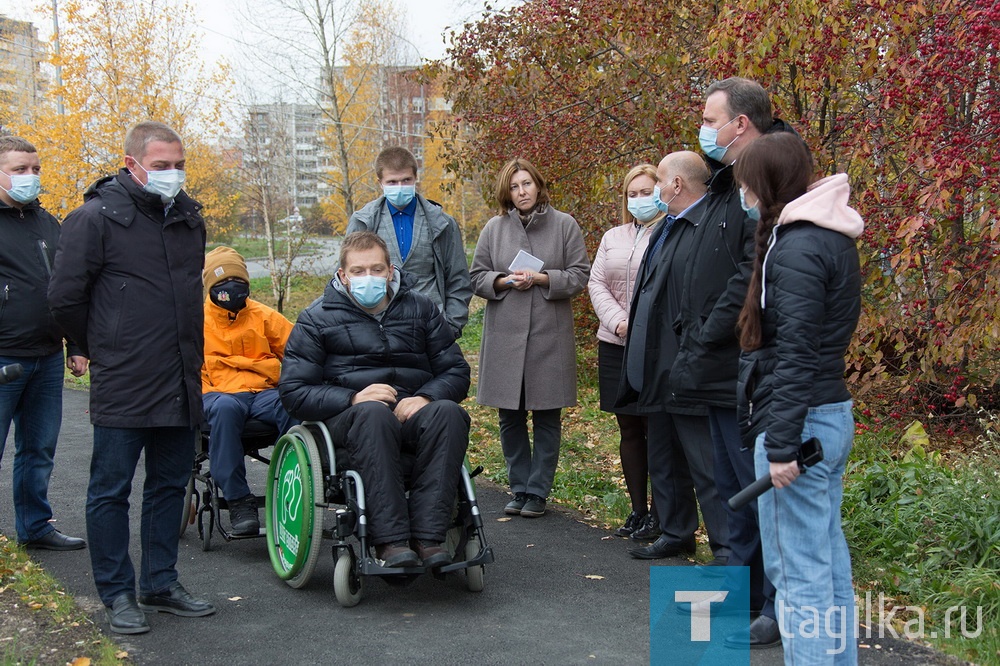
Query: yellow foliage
x=124, y=62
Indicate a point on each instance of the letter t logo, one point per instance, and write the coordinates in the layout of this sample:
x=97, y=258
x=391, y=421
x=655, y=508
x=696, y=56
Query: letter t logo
x=701, y=626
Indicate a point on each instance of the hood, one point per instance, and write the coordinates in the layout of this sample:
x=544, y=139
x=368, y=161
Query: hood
x=825, y=205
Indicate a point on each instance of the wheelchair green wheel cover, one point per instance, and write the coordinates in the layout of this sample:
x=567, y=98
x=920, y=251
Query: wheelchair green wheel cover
x=290, y=510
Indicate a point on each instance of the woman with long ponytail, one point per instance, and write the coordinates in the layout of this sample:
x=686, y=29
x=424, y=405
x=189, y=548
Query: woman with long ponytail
x=801, y=310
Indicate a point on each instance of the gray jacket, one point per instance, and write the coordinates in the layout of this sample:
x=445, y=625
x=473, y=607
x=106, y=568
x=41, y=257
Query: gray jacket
x=451, y=270
x=528, y=335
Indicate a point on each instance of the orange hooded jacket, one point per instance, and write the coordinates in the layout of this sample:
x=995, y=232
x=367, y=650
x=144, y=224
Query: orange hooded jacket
x=243, y=355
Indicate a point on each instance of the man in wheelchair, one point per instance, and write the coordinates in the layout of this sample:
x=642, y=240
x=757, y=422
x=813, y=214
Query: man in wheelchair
x=244, y=345
x=377, y=362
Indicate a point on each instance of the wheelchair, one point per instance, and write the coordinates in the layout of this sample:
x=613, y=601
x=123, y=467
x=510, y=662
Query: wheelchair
x=204, y=502
x=305, y=483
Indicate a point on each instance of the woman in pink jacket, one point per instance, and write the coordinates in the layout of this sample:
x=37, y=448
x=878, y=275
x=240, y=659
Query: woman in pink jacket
x=611, y=280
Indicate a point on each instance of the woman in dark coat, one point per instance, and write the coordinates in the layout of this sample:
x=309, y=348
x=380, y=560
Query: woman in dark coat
x=802, y=307
x=527, y=361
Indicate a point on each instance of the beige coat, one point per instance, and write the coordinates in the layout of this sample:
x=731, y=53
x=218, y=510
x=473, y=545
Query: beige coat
x=528, y=335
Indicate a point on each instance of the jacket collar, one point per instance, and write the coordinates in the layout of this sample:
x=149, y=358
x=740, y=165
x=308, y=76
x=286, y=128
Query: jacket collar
x=122, y=198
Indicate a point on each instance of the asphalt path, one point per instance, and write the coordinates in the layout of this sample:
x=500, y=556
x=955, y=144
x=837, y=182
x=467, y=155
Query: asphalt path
x=560, y=592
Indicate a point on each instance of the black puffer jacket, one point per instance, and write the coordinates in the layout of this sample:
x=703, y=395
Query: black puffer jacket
x=812, y=297
x=28, y=239
x=127, y=288
x=715, y=286
x=337, y=349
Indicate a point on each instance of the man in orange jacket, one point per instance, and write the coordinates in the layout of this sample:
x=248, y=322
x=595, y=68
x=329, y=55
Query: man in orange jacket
x=244, y=345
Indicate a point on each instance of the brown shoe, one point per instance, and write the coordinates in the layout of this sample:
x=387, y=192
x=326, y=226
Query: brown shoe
x=396, y=555
x=433, y=554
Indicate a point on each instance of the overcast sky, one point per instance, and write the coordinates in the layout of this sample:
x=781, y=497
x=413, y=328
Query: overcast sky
x=222, y=36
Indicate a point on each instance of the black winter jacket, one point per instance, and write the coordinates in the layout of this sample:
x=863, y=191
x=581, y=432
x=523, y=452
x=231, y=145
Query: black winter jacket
x=336, y=349
x=715, y=286
x=127, y=288
x=812, y=304
x=28, y=240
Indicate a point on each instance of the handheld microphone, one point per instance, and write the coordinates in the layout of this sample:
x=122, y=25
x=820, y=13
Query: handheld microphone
x=10, y=373
x=811, y=453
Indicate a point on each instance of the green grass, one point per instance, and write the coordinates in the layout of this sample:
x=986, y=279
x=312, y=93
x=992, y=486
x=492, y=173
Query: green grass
x=254, y=247
x=59, y=630
x=926, y=533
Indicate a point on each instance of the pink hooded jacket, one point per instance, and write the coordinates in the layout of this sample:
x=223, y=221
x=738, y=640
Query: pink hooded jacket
x=825, y=205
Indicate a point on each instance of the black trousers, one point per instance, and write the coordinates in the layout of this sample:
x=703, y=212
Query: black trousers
x=680, y=464
x=376, y=442
x=734, y=471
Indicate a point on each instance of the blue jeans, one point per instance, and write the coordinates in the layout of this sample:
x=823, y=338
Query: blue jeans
x=805, y=552
x=34, y=404
x=226, y=414
x=169, y=455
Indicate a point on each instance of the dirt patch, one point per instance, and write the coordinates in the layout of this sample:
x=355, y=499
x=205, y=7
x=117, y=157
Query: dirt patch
x=32, y=636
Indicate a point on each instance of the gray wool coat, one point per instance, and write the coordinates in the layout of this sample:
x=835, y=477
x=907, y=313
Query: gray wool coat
x=528, y=335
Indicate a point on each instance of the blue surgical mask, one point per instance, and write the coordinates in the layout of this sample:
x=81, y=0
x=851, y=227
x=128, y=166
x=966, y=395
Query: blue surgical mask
x=752, y=211
x=166, y=183
x=663, y=207
x=707, y=137
x=368, y=290
x=399, y=196
x=643, y=208
x=24, y=188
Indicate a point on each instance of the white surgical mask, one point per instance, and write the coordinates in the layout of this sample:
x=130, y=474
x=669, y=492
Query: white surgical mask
x=643, y=208
x=399, y=196
x=707, y=137
x=24, y=188
x=166, y=183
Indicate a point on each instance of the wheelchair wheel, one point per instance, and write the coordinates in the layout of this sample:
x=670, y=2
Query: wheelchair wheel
x=473, y=575
x=294, y=526
x=190, y=506
x=347, y=584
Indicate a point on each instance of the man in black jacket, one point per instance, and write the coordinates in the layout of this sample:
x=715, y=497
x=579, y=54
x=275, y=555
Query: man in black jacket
x=680, y=452
x=737, y=111
x=377, y=361
x=127, y=288
x=30, y=338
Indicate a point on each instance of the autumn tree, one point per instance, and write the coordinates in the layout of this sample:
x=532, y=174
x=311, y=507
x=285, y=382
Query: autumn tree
x=268, y=179
x=901, y=95
x=124, y=62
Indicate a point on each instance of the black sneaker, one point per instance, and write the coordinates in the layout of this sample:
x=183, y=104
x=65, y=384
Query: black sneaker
x=243, y=516
x=533, y=507
x=649, y=530
x=514, y=506
x=633, y=523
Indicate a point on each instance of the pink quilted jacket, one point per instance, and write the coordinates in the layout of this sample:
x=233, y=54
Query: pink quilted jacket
x=613, y=275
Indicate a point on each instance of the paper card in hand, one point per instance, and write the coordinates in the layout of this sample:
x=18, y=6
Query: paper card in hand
x=526, y=262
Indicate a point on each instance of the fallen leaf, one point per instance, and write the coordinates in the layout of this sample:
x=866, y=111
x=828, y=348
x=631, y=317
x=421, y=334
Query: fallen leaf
x=81, y=661
x=235, y=598
x=594, y=577
x=121, y=654
x=503, y=520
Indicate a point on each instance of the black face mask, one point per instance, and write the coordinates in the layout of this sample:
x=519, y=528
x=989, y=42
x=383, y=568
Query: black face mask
x=230, y=295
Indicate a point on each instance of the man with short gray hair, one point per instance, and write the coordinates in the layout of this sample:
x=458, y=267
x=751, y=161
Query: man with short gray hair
x=127, y=287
